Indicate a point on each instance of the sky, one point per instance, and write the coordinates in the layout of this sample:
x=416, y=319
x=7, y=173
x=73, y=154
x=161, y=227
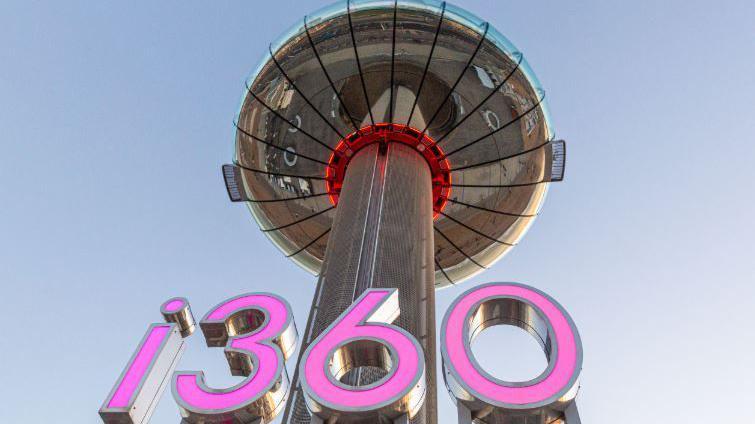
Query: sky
x=116, y=117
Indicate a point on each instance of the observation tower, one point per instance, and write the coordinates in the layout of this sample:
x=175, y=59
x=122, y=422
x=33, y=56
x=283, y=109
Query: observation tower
x=392, y=144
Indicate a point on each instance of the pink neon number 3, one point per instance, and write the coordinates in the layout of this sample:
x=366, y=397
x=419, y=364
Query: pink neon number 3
x=363, y=336
x=259, y=334
x=532, y=310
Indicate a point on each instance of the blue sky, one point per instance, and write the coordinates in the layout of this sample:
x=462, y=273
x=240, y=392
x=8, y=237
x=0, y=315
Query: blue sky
x=115, y=119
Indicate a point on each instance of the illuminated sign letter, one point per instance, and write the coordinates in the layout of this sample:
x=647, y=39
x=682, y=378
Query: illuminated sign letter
x=363, y=336
x=259, y=335
x=135, y=394
x=551, y=394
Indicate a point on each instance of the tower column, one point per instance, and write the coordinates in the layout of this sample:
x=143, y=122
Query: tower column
x=382, y=236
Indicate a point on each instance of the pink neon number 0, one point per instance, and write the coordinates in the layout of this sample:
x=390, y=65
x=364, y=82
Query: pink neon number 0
x=505, y=302
x=259, y=334
x=367, y=321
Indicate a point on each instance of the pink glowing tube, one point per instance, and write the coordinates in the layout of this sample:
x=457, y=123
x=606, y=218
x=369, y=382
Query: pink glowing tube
x=178, y=310
x=139, y=387
x=535, y=312
x=259, y=335
x=363, y=336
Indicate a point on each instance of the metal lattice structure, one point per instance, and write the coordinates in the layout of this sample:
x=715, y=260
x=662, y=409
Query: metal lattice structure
x=447, y=90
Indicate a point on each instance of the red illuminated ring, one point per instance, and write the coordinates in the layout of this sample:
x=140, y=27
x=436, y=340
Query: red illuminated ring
x=384, y=133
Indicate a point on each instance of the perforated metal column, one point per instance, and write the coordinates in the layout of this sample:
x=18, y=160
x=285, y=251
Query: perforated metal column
x=382, y=236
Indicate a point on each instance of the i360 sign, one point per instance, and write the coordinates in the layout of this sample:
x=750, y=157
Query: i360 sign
x=258, y=333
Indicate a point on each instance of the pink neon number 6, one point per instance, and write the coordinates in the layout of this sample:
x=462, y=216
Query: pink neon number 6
x=259, y=332
x=363, y=336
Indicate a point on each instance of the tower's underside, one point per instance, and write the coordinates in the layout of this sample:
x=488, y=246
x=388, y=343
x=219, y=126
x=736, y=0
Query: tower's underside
x=444, y=74
x=463, y=85
x=382, y=236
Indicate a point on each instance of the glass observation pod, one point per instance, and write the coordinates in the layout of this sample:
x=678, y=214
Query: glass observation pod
x=430, y=70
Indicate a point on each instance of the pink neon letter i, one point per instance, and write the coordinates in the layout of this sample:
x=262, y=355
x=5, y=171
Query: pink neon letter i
x=146, y=375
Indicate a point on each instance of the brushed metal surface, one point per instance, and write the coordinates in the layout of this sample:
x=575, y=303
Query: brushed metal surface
x=382, y=237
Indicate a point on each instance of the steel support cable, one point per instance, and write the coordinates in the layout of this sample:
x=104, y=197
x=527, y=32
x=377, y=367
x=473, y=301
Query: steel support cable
x=359, y=63
x=393, y=60
x=479, y=105
x=290, y=81
x=327, y=76
x=265, y=142
x=281, y=117
x=516, y=215
x=277, y=174
x=457, y=248
x=480, y=233
x=523, y=152
x=305, y=247
x=458, y=80
x=287, y=199
x=443, y=271
x=298, y=221
x=503, y=127
x=500, y=185
x=427, y=64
